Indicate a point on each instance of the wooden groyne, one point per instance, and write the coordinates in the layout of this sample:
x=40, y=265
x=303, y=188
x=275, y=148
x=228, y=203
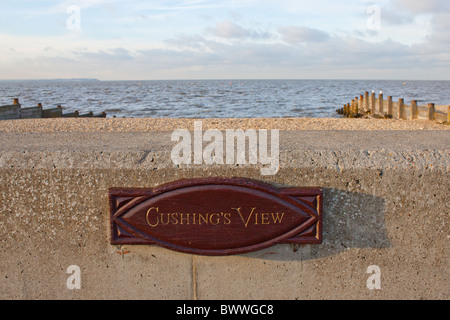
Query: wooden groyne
x=15, y=111
x=377, y=107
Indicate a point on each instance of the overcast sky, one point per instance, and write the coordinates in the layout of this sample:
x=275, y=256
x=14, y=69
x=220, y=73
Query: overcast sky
x=225, y=39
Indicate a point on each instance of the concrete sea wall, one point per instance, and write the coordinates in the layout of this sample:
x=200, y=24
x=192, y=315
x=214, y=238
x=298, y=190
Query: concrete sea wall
x=385, y=217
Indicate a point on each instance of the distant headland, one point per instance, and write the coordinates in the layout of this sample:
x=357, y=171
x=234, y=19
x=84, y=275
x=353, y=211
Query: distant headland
x=77, y=79
x=59, y=79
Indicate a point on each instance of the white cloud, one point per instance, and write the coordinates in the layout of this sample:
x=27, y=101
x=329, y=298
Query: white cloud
x=199, y=39
x=231, y=30
x=422, y=6
x=296, y=34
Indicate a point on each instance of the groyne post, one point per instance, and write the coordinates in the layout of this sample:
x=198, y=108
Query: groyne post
x=431, y=111
x=414, y=110
x=448, y=115
x=366, y=99
x=380, y=103
x=390, y=107
x=372, y=103
x=361, y=103
x=401, y=108
x=355, y=107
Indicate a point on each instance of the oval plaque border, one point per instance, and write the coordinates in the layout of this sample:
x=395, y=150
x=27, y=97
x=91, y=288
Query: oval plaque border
x=307, y=199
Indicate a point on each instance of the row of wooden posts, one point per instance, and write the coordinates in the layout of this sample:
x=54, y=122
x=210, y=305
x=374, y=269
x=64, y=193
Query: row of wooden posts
x=15, y=111
x=370, y=105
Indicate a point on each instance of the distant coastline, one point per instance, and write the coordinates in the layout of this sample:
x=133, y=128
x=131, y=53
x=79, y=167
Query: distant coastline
x=68, y=80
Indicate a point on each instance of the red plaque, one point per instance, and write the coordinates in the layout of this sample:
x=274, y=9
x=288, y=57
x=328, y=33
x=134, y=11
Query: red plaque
x=216, y=216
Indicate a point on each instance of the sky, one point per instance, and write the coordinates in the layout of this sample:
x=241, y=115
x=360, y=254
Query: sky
x=225, y=39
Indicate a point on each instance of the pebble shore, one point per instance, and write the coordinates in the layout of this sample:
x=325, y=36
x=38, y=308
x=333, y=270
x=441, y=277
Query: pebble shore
x=168, y=124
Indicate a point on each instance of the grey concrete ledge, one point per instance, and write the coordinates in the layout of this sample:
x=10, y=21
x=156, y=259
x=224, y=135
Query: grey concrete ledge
x=328, y=149
x=385, y=204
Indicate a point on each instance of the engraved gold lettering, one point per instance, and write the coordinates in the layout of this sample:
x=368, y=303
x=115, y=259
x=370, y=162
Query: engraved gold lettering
x=174, y=218
x=276, y=217
x=227, y=217
x=155, y=218
x=216, y=221
x=242, y=218
x=184, y=219
x=168, y=218
x=265, y=218
x=202, y=217
x=148, y=214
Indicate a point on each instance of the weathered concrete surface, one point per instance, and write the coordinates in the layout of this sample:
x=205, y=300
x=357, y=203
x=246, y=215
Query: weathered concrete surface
x=385, y=204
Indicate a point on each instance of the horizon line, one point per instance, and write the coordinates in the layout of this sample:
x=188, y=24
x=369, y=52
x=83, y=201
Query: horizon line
x=221, y=79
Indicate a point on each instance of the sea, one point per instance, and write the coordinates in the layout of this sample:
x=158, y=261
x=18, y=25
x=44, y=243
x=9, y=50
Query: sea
x=214, y=98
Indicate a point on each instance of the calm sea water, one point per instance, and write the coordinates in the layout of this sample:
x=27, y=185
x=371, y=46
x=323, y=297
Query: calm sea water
x=214, y=98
